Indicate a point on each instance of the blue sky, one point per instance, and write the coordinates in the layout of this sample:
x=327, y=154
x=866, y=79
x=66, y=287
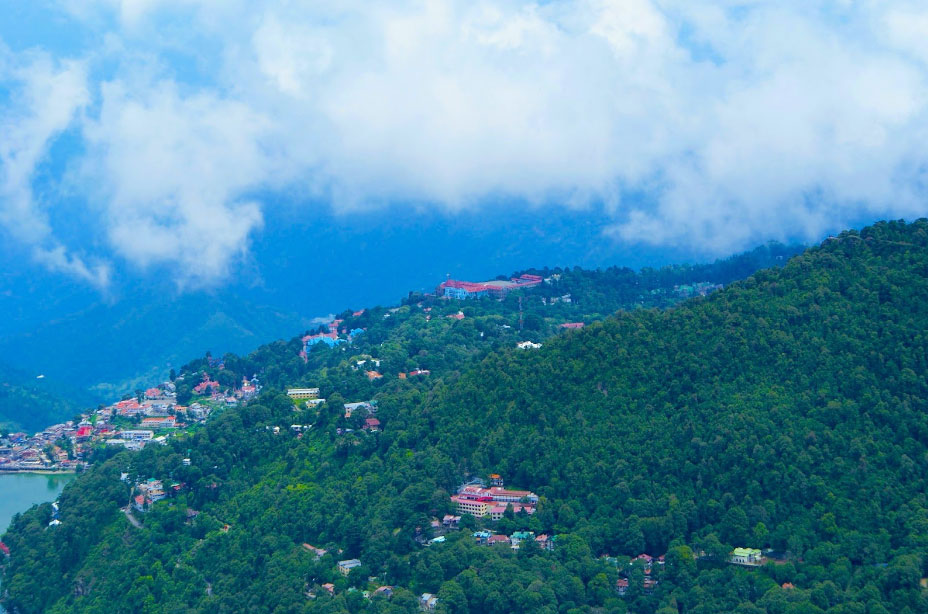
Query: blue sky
x=208, y=141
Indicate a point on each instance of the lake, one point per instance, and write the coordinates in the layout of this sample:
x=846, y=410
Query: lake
x=20, y=491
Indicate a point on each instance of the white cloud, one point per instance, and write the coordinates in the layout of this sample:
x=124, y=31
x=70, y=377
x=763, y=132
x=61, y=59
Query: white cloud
x=710, y=124
x=172, y=170
x=47, y=96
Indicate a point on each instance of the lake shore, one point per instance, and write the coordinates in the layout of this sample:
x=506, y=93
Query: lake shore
x=38, y=471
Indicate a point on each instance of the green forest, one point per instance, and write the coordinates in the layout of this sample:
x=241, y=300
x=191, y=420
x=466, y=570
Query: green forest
x=785, y=412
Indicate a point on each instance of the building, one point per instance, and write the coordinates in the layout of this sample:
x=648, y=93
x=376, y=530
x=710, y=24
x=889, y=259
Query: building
x=303, y=393
x=521, y=536
x=478, y=501
x=481, y=537
x=159, y=422
x=496, y=480
x=428, y=602
x=546, y=542
x=319, y=552
x=372, y=424
x=350, y=408
x=345, y=567
x=496, y=288
x=528, y=345
x=137, y=435
x=747, y=556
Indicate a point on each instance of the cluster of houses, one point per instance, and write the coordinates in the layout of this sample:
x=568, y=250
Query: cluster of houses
x=151, y=491
x=131, y=423
x=247, y=391
x=43, y=451
x=488, y=538
x=648, y=582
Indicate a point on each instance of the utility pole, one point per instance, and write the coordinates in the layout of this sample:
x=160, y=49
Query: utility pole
x=520, y=314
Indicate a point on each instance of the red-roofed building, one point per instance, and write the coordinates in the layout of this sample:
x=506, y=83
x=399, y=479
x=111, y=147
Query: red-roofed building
x=4, y=549
x=153, y=393
x=372, y=424
x=372, y=375
x=621, y=585
x=84, y=432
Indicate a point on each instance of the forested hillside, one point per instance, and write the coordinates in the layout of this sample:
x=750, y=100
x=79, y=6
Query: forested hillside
x=784, y=412
x=31, y=402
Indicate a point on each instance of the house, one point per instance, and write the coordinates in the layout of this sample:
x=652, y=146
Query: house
x=137, y=435
x=546, y=542
x=153, y=393
x=4, y=549
x=528, y=345
x=521, y=536
x=450, y=521
x=319, y=552
x=372, y=375
x=621, y=585
x=139, y=503
x=573, y=325
x=345, y=567
x=496, y=480
x=350, y=408
x=746, y=556
x=303, y=393
x=416, y=372
x=428, y=601
x=482, y=537
x=372, y=424
x=499, y=539
x=384, y=591
x=328, y=586
x=206, y=385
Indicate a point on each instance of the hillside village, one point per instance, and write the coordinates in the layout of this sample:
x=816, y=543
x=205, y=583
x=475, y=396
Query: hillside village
x=132, y=423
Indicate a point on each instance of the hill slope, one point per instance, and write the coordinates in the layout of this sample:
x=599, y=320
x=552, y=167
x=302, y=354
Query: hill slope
x=786, y=411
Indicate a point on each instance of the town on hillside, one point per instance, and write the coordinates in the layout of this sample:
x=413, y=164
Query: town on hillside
x=151, y=416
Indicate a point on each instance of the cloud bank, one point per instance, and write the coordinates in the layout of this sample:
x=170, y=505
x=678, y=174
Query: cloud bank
x=689, y=123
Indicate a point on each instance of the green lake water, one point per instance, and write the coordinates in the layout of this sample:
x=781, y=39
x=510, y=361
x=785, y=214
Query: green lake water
x=20, y=491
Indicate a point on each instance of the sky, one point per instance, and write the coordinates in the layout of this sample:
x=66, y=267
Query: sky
x=188, y=140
